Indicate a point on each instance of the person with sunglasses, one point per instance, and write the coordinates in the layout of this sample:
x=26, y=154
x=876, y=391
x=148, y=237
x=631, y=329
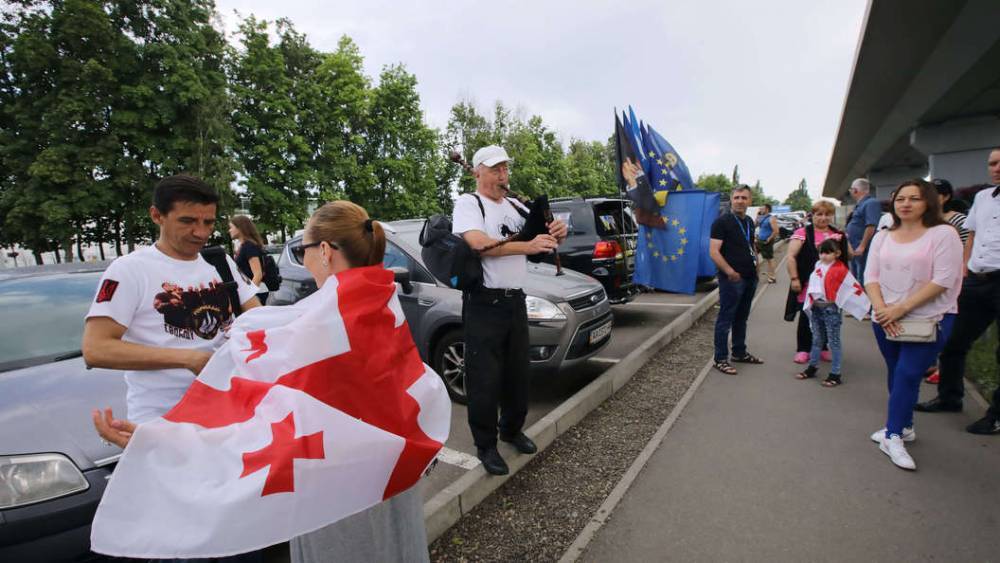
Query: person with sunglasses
x=340, y=236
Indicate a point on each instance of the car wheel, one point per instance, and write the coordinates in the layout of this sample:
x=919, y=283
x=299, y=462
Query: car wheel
x=449, y=363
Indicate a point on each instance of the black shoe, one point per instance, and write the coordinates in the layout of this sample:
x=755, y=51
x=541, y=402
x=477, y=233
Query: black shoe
x=492, y=462
x=521, y=443
x=937, y=405
x=989, y=424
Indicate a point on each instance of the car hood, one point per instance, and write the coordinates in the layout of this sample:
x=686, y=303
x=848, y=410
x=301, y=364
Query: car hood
x=542, y=281
x=46, y=408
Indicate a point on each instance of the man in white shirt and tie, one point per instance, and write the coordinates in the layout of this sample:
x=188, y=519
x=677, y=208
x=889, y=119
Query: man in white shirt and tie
x=978, y=305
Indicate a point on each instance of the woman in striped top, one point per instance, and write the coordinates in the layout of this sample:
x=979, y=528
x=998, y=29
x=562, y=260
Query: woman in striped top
x=953, y=217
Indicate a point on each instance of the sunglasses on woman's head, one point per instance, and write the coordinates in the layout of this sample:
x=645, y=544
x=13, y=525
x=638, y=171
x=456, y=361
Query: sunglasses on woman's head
x=299, y=250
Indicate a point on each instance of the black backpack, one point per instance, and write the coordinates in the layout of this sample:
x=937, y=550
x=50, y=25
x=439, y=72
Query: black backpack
x=216, y=256
x=272, y=275
x=448, y=256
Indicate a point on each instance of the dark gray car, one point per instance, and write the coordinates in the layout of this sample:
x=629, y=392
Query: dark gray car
x=569, y=316
x=53, y=466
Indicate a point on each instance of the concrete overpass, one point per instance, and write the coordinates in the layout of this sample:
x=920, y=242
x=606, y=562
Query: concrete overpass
x=924, y=96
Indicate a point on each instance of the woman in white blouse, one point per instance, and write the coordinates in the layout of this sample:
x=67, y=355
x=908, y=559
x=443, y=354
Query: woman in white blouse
x=913, y=274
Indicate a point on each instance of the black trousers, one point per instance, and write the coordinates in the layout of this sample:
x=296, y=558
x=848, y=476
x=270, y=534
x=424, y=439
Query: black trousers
x=496, y=363
x=978, y=306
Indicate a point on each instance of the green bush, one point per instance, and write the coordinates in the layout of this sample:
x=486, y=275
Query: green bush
x=981, y=365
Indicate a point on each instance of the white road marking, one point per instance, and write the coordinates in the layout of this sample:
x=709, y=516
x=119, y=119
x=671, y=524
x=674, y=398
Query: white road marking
x=662, y=304
x=457, y=458
x=605, y=360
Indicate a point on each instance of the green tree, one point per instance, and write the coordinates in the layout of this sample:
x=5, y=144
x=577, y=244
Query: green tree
x=271, y=142
x=589, y=170
x=799, y=199
x=400, y=150
x=715, y=183
x=761, y=198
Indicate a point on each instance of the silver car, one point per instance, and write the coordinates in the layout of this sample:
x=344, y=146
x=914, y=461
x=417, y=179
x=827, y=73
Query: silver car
x=569, y=316
x=53, y=466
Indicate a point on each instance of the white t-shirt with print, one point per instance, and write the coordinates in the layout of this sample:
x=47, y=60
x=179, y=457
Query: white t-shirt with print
x=501, y=221
x=166, y=303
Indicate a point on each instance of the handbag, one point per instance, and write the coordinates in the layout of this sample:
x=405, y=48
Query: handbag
x=916, y=330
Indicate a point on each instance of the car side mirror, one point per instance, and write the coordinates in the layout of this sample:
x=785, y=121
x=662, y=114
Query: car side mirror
x=402, y=277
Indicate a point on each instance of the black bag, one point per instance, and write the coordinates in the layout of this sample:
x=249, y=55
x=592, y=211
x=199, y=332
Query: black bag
x=272, y=275
x=448, y=256
x=216, y=256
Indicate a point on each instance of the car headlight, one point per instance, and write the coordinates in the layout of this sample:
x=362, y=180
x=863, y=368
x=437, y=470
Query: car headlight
x=542, y=310
x=26, y=479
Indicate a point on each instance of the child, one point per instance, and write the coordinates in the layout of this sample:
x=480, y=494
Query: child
x=822, y=296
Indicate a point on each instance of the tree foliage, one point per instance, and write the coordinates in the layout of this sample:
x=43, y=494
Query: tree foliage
x=799, y=199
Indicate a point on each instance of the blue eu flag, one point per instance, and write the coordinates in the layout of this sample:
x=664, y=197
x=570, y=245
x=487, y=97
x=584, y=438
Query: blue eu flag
x=706, y=268
x=670, y=162
x=669, y=259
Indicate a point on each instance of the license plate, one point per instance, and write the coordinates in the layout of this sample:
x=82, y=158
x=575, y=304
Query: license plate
x=600, y=333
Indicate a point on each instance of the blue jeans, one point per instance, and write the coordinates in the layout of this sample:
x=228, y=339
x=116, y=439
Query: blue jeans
x=825, y=324
x=907, y=362
x=858, y=267
x=735, y=299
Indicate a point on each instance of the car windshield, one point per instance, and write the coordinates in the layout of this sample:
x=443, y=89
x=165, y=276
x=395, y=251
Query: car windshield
x=53, y=306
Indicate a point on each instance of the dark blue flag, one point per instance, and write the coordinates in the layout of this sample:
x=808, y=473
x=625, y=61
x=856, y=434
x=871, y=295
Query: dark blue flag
x=645, y=207
x=660, y=177
x=670, y=161
x=706, y=268
x=669, y=259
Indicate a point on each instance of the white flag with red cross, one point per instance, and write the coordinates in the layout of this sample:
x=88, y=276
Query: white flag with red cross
x=307, y=414
x=834, y=283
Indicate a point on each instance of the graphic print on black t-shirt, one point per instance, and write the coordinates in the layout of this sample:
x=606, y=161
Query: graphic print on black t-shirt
x=195, y=311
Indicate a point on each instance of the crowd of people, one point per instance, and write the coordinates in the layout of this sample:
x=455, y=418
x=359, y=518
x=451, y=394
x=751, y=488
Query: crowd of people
x=930, y=272
x=930, y=296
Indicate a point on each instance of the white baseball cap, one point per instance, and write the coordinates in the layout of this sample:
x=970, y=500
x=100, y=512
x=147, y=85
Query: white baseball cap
x=490, y=156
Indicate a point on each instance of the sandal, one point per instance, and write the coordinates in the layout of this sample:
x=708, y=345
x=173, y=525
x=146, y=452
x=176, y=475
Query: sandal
x=770, y=279
x=748, y=359
x=832, y=380
x=725, y=368
x=808, y=373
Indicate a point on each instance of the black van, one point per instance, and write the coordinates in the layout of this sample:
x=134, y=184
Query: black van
x=601, y=242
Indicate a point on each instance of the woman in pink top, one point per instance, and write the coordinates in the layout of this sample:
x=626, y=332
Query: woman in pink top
x=914, y=272
x=802, y=256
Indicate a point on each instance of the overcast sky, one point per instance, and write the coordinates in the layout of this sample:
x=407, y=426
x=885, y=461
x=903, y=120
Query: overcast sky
x=761, y=84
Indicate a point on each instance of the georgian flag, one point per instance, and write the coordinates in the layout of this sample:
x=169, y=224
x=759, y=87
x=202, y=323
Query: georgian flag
x=835, y=284
x=307, y=414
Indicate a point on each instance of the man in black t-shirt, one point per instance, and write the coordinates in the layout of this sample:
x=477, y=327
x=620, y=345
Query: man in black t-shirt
x=731, y=248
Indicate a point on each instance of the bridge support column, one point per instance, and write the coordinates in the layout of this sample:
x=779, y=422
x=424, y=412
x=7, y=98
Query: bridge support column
x=957, y=150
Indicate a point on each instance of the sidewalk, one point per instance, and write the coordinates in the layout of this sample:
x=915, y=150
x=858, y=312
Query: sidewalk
x=761, y=466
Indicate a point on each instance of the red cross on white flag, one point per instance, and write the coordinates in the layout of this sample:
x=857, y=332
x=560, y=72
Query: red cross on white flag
x=313, y=411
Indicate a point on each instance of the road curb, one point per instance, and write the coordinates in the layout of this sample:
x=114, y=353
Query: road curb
x=447, y=507
x=579, y=545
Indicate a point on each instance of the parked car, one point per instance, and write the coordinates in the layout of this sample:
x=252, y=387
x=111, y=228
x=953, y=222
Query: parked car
x=787, y=223
x=569, y=316
x=53, y=465
x=601, y=243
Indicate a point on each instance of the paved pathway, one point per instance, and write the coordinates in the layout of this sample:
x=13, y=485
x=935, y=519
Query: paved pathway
x=762, y=467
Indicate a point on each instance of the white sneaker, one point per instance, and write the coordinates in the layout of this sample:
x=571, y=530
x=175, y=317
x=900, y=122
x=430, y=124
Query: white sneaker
x=909, y=435
x=894, y=448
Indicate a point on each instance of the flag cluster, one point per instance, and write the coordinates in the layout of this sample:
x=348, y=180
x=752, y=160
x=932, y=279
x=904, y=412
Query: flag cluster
x=674, y=216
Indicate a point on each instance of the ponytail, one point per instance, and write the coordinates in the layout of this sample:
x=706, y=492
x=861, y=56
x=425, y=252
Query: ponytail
x=361, y=239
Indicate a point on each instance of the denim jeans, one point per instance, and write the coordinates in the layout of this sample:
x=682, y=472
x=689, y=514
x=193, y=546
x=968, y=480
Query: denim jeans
x=907, y=362
x=825, y=323
x=735, y=299
x=858, y=267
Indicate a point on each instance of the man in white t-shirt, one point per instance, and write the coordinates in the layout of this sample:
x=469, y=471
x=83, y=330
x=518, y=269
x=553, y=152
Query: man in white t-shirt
x=160, y=311
x=494, y=316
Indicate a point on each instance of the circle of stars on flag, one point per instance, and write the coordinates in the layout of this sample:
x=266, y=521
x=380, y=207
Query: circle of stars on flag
x=679, y=251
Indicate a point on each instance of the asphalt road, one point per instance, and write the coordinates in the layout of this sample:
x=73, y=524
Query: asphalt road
x=634, y=323
x=762, y=467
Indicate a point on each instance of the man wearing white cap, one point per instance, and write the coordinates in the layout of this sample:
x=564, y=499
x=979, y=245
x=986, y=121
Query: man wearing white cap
x=494, y=315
